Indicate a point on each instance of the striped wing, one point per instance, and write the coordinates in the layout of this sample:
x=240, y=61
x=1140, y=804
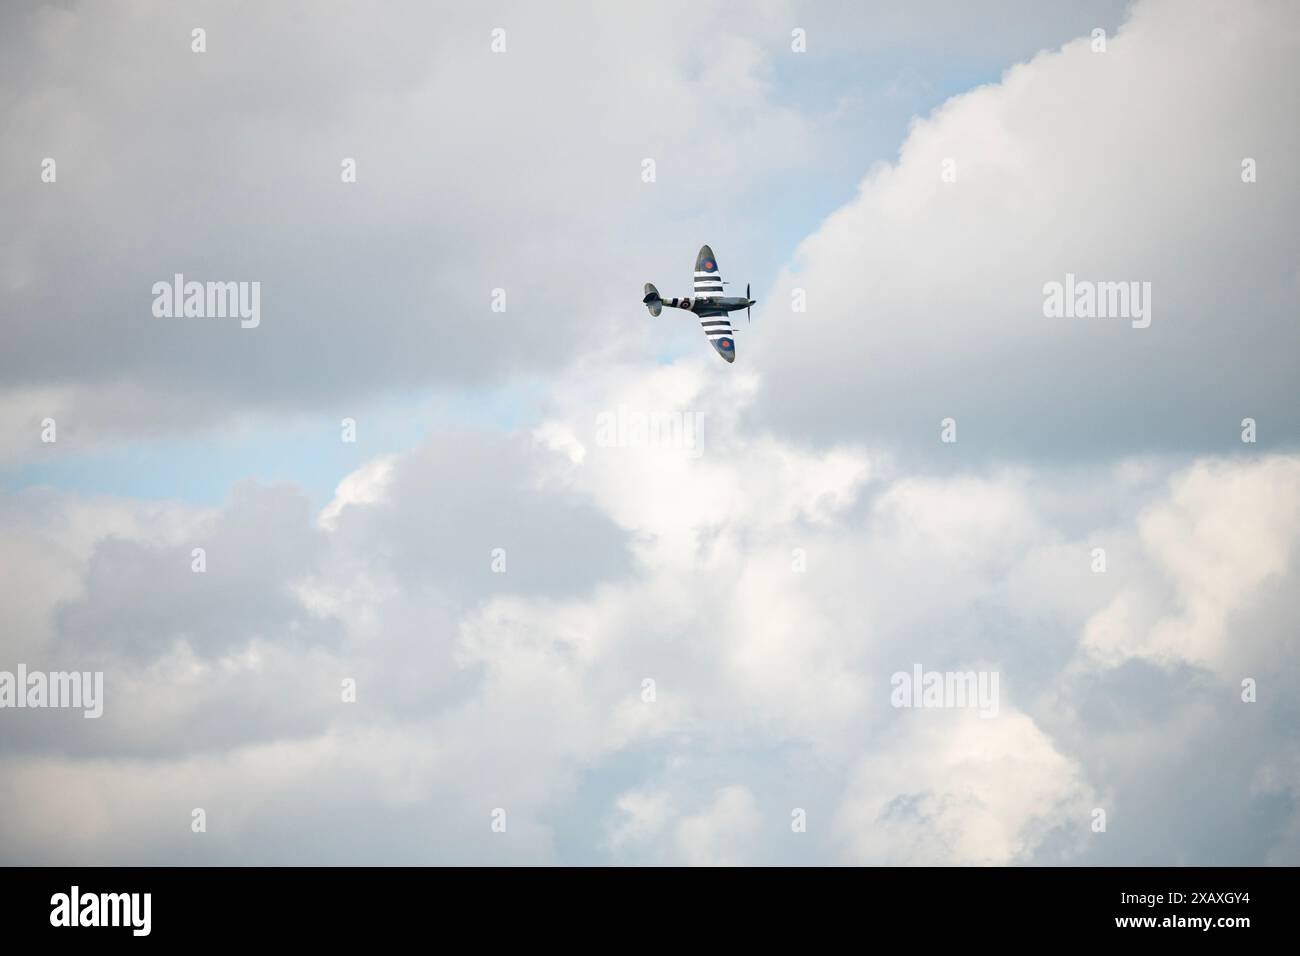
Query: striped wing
x=708, y=280
x=718, y=329
x=716, y=325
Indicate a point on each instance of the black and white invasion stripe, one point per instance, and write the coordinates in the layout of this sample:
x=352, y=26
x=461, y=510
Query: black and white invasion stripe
x=716, y=326
x=708, y=284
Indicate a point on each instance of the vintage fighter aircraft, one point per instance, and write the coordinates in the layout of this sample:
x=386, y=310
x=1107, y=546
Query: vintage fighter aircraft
x=709, y=304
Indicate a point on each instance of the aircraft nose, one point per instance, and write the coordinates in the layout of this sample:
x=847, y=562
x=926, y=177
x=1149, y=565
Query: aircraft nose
x=726, y=348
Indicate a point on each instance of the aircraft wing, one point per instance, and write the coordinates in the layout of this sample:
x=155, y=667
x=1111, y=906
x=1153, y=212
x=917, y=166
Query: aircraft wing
x=708, y=280
x=716, y=325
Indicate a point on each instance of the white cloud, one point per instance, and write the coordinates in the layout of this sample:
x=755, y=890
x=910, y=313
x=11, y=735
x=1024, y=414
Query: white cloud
x=479, y=690
x=721, y=834
x=1224, y=530
x=955, y=789
x=365, y=486
x=641, y=817
x=925, y=297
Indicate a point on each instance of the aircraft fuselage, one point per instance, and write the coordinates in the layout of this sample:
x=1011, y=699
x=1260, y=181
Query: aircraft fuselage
x=705, y=304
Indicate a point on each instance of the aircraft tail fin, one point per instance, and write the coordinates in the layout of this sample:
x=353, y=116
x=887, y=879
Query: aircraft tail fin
x=652, y=300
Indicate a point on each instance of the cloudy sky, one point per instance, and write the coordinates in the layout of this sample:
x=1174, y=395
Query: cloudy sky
x=573, y=643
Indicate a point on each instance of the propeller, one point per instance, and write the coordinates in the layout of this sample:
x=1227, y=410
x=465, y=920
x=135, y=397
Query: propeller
x=748, y=316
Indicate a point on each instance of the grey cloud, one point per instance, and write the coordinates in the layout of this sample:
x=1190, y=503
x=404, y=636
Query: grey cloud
x=461, y=496
x=253, y=649
x=141, y=597
x=475, y=172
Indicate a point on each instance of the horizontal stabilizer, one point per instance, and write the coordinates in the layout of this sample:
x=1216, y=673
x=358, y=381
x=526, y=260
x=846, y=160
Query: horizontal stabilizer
x=652, y=300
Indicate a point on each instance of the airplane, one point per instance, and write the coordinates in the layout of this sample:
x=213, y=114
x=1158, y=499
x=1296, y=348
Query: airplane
x=709, y=304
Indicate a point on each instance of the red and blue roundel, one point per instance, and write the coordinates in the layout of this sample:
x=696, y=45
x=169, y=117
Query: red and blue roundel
x=725, y=343
x=710, y=265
